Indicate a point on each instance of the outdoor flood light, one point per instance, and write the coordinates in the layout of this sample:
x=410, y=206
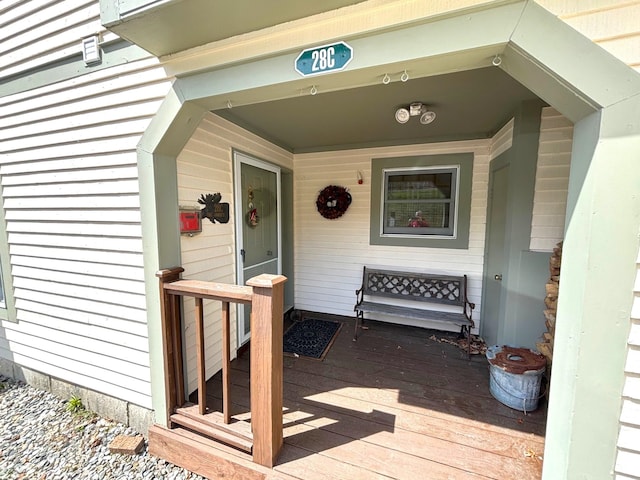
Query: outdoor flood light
x=416, y=109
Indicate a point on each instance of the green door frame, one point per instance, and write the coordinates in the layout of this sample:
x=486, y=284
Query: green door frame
x=593, y=89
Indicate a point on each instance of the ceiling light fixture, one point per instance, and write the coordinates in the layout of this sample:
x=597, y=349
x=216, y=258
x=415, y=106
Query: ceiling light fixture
x=416, y=109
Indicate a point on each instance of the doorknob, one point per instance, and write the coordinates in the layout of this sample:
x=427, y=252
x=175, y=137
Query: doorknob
x=498, y=277
x=242, y=254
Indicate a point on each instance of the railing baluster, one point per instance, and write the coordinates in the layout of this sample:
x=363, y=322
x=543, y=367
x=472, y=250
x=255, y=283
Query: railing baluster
x=226, y=364
x=202, y=376
x=176, y=335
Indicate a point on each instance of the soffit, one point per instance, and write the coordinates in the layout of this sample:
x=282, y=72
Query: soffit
x=469, y=105
x=165, y=27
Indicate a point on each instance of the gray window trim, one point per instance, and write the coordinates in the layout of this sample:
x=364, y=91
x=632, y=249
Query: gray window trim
x=460, y=240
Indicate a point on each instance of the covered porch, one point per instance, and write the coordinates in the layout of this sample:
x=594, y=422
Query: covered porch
x=394, y=404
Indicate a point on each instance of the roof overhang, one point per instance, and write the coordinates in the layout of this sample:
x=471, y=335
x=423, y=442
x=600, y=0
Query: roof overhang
x=163, y=27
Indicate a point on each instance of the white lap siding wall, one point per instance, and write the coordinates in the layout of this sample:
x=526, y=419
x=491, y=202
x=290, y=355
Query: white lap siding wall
x=205, y=165
x=70, y=195
x=330, y=254
x=552, y=180
x=69, y=178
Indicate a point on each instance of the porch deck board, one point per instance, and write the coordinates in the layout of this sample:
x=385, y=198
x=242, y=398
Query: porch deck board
x=395, y=404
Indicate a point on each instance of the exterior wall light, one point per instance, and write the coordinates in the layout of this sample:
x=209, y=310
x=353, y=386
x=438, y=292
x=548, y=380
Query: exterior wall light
x=91, y=50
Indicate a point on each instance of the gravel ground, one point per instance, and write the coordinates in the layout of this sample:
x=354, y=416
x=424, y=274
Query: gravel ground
x=41, y=439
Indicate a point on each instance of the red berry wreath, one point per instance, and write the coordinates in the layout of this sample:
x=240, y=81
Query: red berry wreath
x=333, y=201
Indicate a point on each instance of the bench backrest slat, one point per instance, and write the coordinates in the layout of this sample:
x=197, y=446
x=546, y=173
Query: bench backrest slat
x=445, y=289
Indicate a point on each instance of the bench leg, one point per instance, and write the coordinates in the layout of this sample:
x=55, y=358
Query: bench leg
x=358, y=320
x=468, y=343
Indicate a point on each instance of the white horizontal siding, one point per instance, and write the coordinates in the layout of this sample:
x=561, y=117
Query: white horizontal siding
x=552, y=181
x=628, y=459
x=68, y=165
x=205, y=166
x=330, y=254
x=502, y=140
x=612, y=24
x=40, y=32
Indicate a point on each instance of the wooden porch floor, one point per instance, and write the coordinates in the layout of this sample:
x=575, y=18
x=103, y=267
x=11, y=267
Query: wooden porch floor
x=394, y=404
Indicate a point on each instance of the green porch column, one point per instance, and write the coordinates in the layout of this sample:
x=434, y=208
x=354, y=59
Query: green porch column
x=596, y=292
x=165, y=137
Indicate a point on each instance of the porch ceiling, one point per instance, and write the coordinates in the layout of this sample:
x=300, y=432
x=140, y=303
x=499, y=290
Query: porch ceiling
x=469, y=105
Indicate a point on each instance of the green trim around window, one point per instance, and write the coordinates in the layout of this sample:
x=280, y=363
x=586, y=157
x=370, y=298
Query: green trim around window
x=462, y=160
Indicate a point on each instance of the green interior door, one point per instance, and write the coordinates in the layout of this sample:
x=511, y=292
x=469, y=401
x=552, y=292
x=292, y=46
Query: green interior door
x=258, y=226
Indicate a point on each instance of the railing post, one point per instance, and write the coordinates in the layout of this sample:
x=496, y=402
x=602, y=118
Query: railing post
x=266, y=367
x=171, y=341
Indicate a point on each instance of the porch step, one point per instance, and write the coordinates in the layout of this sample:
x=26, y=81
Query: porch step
x=237, y=434
x=203, y=456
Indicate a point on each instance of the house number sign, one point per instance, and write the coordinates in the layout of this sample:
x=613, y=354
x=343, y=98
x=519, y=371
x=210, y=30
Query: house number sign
x=324, y=59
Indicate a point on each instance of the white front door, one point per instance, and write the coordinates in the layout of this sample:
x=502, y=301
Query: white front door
x=258, y=232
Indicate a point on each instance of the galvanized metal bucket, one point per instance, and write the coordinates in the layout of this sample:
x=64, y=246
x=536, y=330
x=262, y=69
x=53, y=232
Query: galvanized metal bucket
x=515, y=376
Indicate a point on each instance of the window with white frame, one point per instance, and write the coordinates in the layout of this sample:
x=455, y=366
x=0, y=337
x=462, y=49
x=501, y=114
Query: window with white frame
x=421, y=201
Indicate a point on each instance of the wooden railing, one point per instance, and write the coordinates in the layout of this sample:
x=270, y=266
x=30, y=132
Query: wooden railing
x=265, y=294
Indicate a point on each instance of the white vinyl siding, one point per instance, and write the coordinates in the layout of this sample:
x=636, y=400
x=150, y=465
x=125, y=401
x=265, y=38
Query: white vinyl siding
x=39, y=32
x=552, y=181
x=205, y=166
x=330, y=254
x=71, y=202
x=628, y=459
x=502, y=140
x=612, y=24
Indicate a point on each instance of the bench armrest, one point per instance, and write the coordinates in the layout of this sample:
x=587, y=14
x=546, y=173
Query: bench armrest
x=468, y=311
x=359, y=295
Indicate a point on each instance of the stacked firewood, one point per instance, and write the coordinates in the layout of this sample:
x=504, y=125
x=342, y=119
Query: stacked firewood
x=545, y=346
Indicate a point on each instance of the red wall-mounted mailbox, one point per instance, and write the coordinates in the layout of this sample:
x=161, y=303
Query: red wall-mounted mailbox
x=190, y=221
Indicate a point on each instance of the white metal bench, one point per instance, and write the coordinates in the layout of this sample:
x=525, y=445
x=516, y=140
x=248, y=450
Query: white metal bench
x=416, y=290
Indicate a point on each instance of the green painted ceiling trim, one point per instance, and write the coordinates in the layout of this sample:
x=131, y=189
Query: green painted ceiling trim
x=114, y=54
x=165, y=137
x=479, y=35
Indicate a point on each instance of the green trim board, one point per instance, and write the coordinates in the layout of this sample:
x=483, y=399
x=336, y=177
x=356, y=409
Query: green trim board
x=9, y=310
x=172, y=126
x=113, y=54
x=462, y=160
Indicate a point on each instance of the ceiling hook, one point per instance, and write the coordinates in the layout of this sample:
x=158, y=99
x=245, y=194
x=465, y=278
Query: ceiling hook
x=386, y=79
x=497, y=61
x=405, y=76
x=229, y=105
x=313, y=90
